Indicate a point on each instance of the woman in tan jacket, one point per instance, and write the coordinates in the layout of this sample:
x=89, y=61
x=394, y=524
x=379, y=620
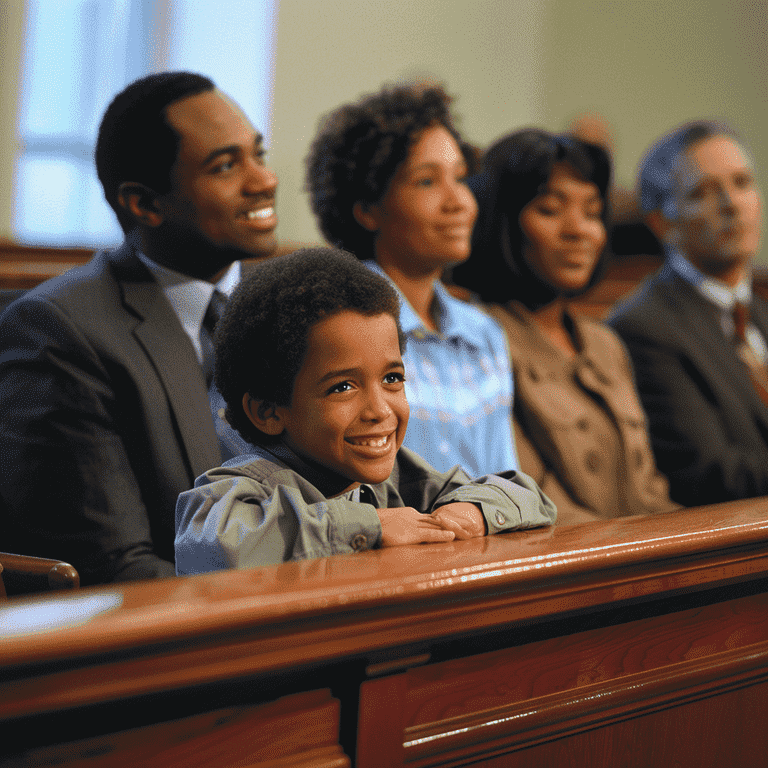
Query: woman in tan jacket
x=539, y=240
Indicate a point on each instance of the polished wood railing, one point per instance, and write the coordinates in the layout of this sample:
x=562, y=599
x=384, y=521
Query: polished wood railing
x=635, y=642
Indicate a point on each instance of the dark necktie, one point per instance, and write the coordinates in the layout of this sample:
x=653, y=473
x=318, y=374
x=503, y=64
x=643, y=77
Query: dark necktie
x=231, y=442
x=758, y=372
x=212, y=315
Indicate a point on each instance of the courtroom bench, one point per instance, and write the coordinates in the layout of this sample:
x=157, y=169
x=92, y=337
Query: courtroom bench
x=23, y=267
x=636, y=642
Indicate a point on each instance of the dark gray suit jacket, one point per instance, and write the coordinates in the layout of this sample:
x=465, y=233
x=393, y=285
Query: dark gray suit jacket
x=104, y=420
x=709, y=428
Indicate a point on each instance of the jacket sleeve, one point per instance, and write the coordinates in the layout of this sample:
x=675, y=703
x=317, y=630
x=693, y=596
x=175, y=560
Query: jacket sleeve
x=240, y=522
x=569, y=511
x=509, y=500
x=67, y=485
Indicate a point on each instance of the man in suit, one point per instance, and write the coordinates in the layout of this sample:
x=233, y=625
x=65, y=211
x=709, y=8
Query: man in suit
x=697, y=335
x=104, y=410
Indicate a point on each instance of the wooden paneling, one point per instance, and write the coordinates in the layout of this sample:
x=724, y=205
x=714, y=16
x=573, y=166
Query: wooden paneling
x=610, y=643
x=506, y=701
x=25, y=266
x=299, y=731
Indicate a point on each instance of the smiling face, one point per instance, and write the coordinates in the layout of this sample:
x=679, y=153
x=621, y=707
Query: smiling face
x=425, y=219
x=565, y=234
x=348, y=411
x=719, y=207
x=222, y=198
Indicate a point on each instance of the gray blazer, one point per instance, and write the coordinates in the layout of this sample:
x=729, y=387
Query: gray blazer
x=708, y=426
x=104, y=420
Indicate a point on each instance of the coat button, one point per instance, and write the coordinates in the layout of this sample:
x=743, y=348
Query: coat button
x=359, y=542
x=533, y=374
x=582, y=424
x=500, y=519
x=593, y=461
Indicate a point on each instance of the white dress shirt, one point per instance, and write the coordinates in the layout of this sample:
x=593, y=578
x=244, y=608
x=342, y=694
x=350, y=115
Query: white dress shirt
x=724, y=298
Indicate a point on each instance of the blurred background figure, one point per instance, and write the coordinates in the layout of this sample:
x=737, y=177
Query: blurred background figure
x=540, y=240
x=697, y=335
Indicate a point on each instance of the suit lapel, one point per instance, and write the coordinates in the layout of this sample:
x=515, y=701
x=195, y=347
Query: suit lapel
x=693, y=311
x=172, y=356
x=702, y=320
x=759, y=314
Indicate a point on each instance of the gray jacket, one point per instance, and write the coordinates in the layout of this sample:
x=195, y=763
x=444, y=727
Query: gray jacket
x=270, y=507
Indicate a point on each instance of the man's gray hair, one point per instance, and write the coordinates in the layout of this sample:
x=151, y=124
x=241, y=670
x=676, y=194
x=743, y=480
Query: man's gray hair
x=656, y=181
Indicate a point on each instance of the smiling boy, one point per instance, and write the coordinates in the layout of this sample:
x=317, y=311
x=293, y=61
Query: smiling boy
x=309, y=361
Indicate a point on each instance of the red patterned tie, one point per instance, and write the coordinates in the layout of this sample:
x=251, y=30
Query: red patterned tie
x=757, y=370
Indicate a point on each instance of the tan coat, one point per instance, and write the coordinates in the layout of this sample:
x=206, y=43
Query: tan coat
x=580, y=430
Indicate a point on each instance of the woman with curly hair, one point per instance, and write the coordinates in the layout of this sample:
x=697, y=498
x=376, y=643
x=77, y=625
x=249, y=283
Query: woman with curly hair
x=541, y=235
x=387, y=180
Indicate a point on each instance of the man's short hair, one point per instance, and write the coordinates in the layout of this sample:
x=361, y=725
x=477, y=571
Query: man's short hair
x=135, y=142
x=656, y=180
x=357, y=152
x=261, y=340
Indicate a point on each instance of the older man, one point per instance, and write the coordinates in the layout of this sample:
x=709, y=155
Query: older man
x=104, y=409
x=696, y=333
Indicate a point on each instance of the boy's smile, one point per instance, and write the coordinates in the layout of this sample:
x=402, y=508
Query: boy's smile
x=348, y=411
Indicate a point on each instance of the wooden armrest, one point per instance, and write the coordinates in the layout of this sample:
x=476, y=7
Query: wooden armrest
x=60, y=575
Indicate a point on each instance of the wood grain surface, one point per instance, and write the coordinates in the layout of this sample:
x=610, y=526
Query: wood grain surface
x=472, y=652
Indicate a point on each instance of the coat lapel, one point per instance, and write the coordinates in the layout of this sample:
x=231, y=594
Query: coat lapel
x=701, y=319
x=172, y=356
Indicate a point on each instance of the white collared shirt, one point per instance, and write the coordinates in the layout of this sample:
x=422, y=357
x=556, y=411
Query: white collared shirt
x=724, y=298
x=190, y=297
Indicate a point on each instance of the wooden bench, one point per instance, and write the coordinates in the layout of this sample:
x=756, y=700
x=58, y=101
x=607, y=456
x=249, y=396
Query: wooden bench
x=635, y=642
x=20, y=574
x=25, y=267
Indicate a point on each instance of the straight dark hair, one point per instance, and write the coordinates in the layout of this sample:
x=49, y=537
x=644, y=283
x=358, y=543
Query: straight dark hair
x=516, y=170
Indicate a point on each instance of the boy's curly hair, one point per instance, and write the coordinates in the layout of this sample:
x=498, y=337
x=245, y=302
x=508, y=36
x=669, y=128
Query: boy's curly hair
x=261, y=340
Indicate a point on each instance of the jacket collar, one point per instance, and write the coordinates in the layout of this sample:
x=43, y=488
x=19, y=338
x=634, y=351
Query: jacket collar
x=328, y=482
x=456, y=319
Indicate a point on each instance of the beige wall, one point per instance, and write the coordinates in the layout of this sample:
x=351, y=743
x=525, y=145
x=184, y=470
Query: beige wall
x=646, y=65
x=11, y=37
x=487, y=52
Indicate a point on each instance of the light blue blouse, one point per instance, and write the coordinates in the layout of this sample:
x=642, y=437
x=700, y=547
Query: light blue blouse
x=459, y=387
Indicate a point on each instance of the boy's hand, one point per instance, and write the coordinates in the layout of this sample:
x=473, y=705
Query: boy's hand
x=463, y=518
x=404, y=525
